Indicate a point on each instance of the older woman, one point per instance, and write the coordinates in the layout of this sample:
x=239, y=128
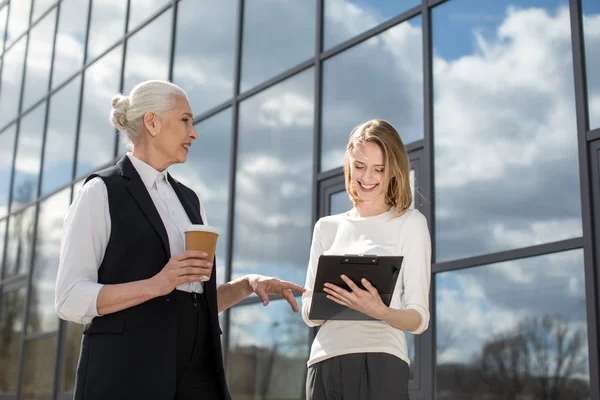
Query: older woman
x=150, y=308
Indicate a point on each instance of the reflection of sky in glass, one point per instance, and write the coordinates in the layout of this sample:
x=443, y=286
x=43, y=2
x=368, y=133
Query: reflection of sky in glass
x=19, y=242
x=97, y=135
x=204, y=51
x=268, y=345
x=274, y=181
x=268, y=38
x=40, y=7
x=11, y=323
x=37, y=378
x=207, y=173
x=339, y=203
x=70, y=39
x=3, y=15
x=480, y=306
x=18, y=19
x=379, y=78
x=12, y=76
x=107, y=25
x=28, y=158
x=39, y=56
x=42, y=316
x=506, y=167
x=345, y=19
x=591, y=35
x=7, y=142
x=140, y=10
x=60, y=137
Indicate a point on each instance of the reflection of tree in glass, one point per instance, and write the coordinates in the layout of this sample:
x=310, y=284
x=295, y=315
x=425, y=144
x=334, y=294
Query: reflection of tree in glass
x=10, y=339
x=23, y=230
x=271, y=371
x=542, y=358
x=72, y=345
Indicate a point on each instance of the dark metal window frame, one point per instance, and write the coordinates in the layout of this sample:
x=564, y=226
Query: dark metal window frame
x=588, y=146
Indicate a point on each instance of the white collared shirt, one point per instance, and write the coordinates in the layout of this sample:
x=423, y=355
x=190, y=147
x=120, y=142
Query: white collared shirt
x=86, y=233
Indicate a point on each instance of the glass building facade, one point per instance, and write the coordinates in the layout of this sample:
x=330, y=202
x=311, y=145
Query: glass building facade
x=497, y=102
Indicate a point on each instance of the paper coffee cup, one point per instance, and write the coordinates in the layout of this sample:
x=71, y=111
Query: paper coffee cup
x=203, y=238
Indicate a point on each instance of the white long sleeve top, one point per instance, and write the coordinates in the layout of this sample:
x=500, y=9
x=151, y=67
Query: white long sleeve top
x=382, y=235
x=86, y=231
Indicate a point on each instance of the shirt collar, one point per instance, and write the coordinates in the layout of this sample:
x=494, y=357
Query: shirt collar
x=148, y=174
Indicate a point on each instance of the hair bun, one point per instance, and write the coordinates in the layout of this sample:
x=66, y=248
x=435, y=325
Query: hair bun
x=118, y=114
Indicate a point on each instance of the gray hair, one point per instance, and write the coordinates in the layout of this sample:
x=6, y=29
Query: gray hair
x=127, y=113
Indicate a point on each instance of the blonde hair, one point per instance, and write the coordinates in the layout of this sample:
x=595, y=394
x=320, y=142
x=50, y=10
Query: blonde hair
x=396, y=172
x=154, y=96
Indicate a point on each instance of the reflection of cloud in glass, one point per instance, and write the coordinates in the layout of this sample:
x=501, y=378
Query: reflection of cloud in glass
x=274, y=180
x=506, y=167
x=97, y=135
x=207, y=173
x=42, y=316
x=7, y=142
x=267, y=38
x=379, y=78
x=40, y=7
x=28, y=158
x=70, y=39
x=140, y=10
x=39, y=54
x=60, y=137
x=345, y=19
x=204, y=51
x=498, y=300
x=591, y=36
x=107, y=25
x=12, y=76
x=3, y=15
x=18, y=19
x=268, y=352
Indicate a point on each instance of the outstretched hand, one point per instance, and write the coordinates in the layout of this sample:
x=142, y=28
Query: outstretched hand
x=263, y=286
x=366, y=301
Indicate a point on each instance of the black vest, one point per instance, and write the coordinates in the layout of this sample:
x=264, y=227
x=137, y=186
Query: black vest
x=131, y=354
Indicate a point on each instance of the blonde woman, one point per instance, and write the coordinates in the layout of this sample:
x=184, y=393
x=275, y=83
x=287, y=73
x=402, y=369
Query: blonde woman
x=369, y=359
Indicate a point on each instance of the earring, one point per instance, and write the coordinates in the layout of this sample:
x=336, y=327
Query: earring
x=153, y=133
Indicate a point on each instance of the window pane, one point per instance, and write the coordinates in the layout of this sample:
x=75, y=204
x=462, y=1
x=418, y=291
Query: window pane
x=18, y=19
x=2, y=237
x=7, y=143
x=339, y=203
x=42, y=316
x=70, y=356
x=390, y=88
x=204, y=51
x=39, y=360
x=3, y=16
x=39, y=56
x=70, y=39
x=156, y=62
x=591, y=33
x=140, y=10
x=12, y=77
x=515, y=329
x=107, y=26
x=11, y=326
x=506, y=161
x=28, y=159
x=207, y=173
x=97, y=135
x=60, y=137
x=41, y=6
x=19, y=242
x=277, y=40
x=268, y=352
x=273, y=209
x=345, y=19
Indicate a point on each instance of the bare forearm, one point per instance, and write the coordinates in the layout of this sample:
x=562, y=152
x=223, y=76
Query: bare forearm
x=231, y=293
x=113, y=298
x=405, y=320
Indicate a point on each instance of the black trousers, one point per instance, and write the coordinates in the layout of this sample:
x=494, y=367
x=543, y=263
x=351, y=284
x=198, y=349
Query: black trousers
x=361, y=376
x=195, y=351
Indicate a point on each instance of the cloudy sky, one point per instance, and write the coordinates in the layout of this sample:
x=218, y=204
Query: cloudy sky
x=506, y=167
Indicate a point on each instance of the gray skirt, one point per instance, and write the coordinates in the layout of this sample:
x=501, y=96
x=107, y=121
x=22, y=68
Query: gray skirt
x=361, y=376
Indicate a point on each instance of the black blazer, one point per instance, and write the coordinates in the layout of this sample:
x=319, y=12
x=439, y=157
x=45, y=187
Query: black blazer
x=131, y=354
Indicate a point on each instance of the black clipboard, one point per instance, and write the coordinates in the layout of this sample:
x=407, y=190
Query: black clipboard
x=381, y=271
